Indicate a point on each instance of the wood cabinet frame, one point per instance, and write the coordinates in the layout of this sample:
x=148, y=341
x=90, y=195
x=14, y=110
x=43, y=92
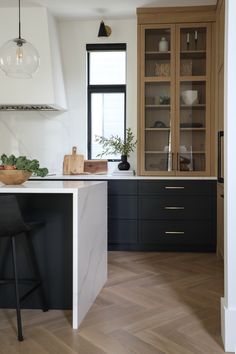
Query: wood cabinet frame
x=175, y=19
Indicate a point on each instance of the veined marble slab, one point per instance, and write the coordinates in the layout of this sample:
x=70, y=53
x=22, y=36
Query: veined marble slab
x=89, y=236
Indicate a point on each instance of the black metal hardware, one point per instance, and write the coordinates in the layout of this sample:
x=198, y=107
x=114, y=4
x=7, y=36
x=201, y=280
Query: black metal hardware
x=174, y=208
x=220, y=178
x=174, y=232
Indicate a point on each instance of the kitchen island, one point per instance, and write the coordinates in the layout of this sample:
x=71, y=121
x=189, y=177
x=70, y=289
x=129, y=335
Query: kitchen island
x=72, y=247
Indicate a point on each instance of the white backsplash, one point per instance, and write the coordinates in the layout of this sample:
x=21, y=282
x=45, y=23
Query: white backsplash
x=41, y=135
x=45, y=136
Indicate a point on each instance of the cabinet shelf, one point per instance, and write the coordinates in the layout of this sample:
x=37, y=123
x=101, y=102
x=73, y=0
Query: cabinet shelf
x=193, y=54
x=160, y=106
x=192, y=129
x=156, y=78
x=180, y=153
x=158, y=55
x=192, y=152
x=157, y=129
x=158, y=152
x=192, y=106
x=192, y=78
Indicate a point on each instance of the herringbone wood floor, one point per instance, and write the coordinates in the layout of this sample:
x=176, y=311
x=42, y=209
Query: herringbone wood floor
x=162, y=303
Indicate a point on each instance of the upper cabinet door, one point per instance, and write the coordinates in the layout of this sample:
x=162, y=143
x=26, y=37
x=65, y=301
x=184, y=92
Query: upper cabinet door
x=193, y=99
x=158, y=99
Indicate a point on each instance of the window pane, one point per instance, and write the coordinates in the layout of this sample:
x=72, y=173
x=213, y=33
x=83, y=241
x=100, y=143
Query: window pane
x=107, y=118
x=107, y=68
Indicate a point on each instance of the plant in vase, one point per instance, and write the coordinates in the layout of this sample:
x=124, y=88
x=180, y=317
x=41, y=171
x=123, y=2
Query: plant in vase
x=116, y=145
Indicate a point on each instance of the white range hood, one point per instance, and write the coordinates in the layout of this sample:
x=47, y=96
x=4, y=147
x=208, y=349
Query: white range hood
x=45, y=91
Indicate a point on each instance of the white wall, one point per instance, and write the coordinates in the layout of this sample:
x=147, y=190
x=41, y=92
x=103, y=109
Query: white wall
x=48, y=136
x=74, y=37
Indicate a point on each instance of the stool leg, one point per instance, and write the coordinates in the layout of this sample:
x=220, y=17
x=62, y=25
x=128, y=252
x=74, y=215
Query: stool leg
x=18, y=313
x=37, y=272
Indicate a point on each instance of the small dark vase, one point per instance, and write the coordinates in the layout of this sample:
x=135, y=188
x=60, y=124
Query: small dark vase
x=124, y=164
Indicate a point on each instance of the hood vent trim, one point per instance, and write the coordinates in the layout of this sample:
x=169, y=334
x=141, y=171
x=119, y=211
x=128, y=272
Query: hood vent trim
x=28, y=107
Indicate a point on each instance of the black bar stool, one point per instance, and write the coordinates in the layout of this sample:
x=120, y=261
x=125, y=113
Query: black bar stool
x=12, y=225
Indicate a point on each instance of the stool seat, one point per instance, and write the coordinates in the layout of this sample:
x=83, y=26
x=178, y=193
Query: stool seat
x=12, y=225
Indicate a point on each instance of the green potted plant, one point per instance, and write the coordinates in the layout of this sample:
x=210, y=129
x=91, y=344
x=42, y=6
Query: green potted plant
x=116, y=145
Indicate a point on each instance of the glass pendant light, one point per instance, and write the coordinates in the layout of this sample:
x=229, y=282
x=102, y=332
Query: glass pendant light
x=18, y=57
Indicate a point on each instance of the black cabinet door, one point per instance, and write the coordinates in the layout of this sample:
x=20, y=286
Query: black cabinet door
x=174, y=207
x=122, y=231
x=122, y=187
x=176, y=233
x=176, y=187
x=122, y=207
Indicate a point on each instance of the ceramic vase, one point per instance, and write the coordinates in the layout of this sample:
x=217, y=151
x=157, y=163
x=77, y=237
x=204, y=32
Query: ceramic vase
x=124, y=164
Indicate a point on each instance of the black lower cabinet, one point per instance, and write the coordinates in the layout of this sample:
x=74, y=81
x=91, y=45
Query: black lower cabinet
x=122, y=215
x=162, y=215
x=122, y=232
x=176, y=236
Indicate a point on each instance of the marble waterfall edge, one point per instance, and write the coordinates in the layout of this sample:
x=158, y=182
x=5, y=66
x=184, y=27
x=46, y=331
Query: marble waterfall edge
x=90, y=249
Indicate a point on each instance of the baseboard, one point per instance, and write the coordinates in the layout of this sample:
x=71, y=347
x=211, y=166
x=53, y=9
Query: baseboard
x=228, y=327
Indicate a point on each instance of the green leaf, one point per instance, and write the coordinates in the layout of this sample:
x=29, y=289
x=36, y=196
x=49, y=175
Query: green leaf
x=115, y=145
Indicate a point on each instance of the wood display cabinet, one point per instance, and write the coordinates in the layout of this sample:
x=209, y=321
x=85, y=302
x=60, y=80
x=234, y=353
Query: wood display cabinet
x=174, y=98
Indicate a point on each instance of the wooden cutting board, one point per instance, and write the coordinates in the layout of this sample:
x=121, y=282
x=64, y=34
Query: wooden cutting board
x=73, y=164
x=95, y=166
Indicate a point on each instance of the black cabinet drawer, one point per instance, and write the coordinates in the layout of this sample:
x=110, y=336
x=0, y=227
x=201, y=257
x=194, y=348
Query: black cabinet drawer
x=122, y=187
x=122, y=231
x=176, y=187
x=176, y=233
x=122, y=207
x=175, y=207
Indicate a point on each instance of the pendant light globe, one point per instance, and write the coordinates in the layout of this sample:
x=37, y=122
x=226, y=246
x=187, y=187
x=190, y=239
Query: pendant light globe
x=18, y=57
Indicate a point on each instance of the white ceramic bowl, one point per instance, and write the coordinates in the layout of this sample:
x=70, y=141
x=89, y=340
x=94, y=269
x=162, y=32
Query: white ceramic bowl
x=190, y=97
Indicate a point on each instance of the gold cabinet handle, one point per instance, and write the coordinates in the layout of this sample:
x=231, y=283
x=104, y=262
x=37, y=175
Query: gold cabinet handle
x=174, y=232
x=174, y=208
x=174, y=187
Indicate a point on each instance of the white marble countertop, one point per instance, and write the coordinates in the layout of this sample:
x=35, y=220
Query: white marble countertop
x=111, y=177
x=48, y=186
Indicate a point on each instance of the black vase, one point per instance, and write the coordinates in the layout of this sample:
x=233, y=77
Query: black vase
x=124, y=165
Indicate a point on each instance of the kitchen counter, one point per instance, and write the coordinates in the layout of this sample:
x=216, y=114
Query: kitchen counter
x=60, y=177
x=87, y=226
x=40, y=186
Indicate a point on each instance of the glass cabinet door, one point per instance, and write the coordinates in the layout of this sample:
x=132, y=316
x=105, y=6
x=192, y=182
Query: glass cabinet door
x=158, y=71
x=193, y=114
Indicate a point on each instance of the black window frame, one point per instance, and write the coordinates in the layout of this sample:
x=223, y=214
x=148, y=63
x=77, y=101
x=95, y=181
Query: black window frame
x=102, y=89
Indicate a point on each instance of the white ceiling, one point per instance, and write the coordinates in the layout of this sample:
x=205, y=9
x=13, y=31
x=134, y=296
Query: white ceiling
x=94, y=9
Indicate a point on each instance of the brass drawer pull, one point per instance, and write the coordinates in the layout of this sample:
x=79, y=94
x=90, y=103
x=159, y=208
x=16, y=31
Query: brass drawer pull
x=174, y=208
x=174, y=232
x=174, y=187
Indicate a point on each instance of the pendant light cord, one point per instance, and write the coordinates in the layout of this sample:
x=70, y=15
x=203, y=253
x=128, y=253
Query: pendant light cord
x=19, y=21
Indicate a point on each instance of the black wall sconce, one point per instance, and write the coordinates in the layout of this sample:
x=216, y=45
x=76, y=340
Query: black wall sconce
x=104, y=31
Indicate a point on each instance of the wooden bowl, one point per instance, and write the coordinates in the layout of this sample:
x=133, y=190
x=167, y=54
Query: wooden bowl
x=12, y=177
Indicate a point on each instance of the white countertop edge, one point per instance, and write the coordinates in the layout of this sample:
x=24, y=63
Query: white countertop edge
x=112, y=177
x=48, y=187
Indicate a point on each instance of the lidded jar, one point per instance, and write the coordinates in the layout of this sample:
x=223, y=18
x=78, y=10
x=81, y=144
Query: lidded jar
x=163, y=45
